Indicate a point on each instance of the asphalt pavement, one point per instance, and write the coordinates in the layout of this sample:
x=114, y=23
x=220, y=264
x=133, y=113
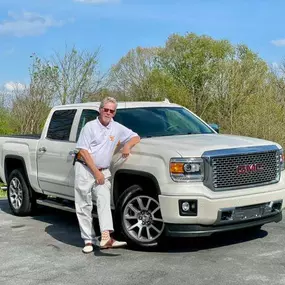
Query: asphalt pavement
x=46, y=249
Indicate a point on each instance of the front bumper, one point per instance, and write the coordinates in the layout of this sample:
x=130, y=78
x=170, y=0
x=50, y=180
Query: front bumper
x=209, y=203
x=190, y=230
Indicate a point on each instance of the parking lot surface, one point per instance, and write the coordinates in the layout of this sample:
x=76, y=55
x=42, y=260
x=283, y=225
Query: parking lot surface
x=46, y=249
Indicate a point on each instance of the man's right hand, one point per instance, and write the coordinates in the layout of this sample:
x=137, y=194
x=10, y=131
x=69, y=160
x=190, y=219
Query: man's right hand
x=99, y=177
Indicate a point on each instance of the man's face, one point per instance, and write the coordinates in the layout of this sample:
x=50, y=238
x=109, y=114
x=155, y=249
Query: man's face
x=107, y=113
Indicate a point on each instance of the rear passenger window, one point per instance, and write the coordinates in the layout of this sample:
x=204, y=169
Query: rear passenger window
x=60, y=125
x=86, y=116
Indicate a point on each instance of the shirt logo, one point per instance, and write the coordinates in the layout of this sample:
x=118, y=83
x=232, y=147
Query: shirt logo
x=112, y=138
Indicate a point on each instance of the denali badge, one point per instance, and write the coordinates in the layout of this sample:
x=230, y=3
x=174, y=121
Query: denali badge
x=242, y=169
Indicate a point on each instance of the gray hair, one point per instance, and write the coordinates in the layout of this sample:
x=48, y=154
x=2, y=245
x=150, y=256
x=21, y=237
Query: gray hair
x=108, y=100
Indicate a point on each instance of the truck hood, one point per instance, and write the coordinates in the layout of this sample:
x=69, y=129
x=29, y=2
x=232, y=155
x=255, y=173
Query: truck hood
x=196, y=145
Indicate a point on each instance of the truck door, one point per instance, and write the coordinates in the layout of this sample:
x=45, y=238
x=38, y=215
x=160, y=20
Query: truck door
x=55, y=152
x=54, y=155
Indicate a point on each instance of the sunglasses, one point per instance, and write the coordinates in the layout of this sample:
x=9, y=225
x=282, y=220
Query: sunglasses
x=106, y=110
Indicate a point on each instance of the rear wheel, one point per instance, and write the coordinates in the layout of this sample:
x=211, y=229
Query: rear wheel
x=19, y=195
x=140, y=217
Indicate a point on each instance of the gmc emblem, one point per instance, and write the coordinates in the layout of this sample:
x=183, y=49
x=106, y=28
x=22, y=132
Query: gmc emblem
x=250, y=168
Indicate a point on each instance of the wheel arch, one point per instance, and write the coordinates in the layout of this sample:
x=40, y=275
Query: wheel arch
x=125, y=178
x=13, y=162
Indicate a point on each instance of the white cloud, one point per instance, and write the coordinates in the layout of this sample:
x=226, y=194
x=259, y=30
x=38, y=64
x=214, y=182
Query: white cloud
x=27, y=24
x=279, y=43
x=97, y=1
x=14, y=86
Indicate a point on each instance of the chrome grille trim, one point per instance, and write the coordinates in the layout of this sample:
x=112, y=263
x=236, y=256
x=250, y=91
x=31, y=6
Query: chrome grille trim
x=221, y=167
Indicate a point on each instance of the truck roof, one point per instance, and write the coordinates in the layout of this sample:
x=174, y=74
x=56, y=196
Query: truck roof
x=123, y=105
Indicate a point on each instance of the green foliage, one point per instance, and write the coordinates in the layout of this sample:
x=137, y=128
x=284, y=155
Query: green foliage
x=132, y=74
x=3, y=194
x=226, y=84
x=29, y=115
x=5, y=122
x=193, y=61
x=223, y=83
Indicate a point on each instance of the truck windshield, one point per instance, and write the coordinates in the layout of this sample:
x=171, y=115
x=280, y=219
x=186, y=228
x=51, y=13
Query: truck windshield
x=161, y=121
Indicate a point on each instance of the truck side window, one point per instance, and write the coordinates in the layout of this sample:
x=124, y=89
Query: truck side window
x=60, y=125
x=86, y=116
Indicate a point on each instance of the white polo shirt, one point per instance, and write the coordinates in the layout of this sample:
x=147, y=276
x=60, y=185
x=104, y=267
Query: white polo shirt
x=101, y=141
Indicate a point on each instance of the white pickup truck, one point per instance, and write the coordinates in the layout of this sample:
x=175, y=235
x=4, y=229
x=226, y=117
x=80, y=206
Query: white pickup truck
x=182, y=179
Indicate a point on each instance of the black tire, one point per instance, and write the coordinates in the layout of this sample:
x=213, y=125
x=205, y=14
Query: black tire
x=135, y=214
x=21, y=200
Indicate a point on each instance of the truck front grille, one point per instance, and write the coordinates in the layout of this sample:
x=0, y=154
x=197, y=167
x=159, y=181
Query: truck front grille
x=242, y=170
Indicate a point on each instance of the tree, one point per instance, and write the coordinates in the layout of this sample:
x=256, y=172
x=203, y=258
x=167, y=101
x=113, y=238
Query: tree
x=241, y=77
x=29, y=112
x=132, y=74
x=70, y=76
x=31, y=106
x=192, y=61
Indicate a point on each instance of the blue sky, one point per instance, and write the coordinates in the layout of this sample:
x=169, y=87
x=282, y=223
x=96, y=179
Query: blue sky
x=116, y=26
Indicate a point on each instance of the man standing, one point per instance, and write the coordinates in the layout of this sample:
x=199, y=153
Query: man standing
x=96, y=144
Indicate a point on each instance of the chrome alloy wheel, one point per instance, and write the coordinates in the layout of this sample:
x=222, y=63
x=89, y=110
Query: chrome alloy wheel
x=142, y=219
x=16, y=193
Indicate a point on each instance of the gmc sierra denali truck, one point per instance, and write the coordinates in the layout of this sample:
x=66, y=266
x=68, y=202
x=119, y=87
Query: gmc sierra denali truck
x=183, y=178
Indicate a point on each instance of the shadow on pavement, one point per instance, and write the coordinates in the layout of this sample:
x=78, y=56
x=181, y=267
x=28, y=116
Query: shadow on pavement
x=64, y=228
x=214, y=241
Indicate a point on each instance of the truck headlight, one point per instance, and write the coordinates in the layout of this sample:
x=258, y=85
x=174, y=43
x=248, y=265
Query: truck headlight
x=186, y=169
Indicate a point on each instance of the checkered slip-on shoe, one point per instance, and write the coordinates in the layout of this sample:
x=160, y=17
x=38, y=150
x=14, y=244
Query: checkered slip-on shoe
x=88, y=248
x=112, y=243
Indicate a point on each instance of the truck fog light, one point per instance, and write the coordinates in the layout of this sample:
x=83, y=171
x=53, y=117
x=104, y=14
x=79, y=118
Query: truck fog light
x=185, y=206
x=188, y=207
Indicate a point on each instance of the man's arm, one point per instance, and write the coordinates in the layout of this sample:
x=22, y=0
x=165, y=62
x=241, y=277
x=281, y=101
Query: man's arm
x=100, y=179
x=129, y=145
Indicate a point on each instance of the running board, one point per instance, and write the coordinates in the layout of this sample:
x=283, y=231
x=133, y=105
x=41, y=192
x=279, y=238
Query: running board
x=60, y=206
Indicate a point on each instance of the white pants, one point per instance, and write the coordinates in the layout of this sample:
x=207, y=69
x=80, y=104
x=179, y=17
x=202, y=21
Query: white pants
x=85, y=188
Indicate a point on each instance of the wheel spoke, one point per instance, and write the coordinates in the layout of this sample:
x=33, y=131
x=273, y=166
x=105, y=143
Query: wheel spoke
x=157, y=220
x=140, y=232
x=155, y=228
x=148, y=233
x=155, y=210
x=134, y=226
x=128, y=217
x=12, y=190
x=14, y=183
x=133, y=208
x=140, y=203
x=148, y=203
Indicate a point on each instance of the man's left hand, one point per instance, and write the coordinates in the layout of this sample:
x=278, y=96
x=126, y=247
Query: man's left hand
x=126, y=151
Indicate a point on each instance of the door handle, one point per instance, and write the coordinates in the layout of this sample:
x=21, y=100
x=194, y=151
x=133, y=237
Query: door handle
x=42, y=149
x=72, y=152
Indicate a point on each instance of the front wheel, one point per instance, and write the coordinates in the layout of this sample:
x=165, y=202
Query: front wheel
x=140, y=217
x=19, y=196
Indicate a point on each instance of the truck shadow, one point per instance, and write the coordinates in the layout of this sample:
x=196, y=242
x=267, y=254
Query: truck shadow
x=63, y=226
x=215, y=241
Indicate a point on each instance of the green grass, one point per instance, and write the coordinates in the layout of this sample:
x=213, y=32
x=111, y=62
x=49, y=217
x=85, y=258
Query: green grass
x=2, y=192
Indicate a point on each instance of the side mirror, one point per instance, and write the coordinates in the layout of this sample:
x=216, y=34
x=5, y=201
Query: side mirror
x=215, y=127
